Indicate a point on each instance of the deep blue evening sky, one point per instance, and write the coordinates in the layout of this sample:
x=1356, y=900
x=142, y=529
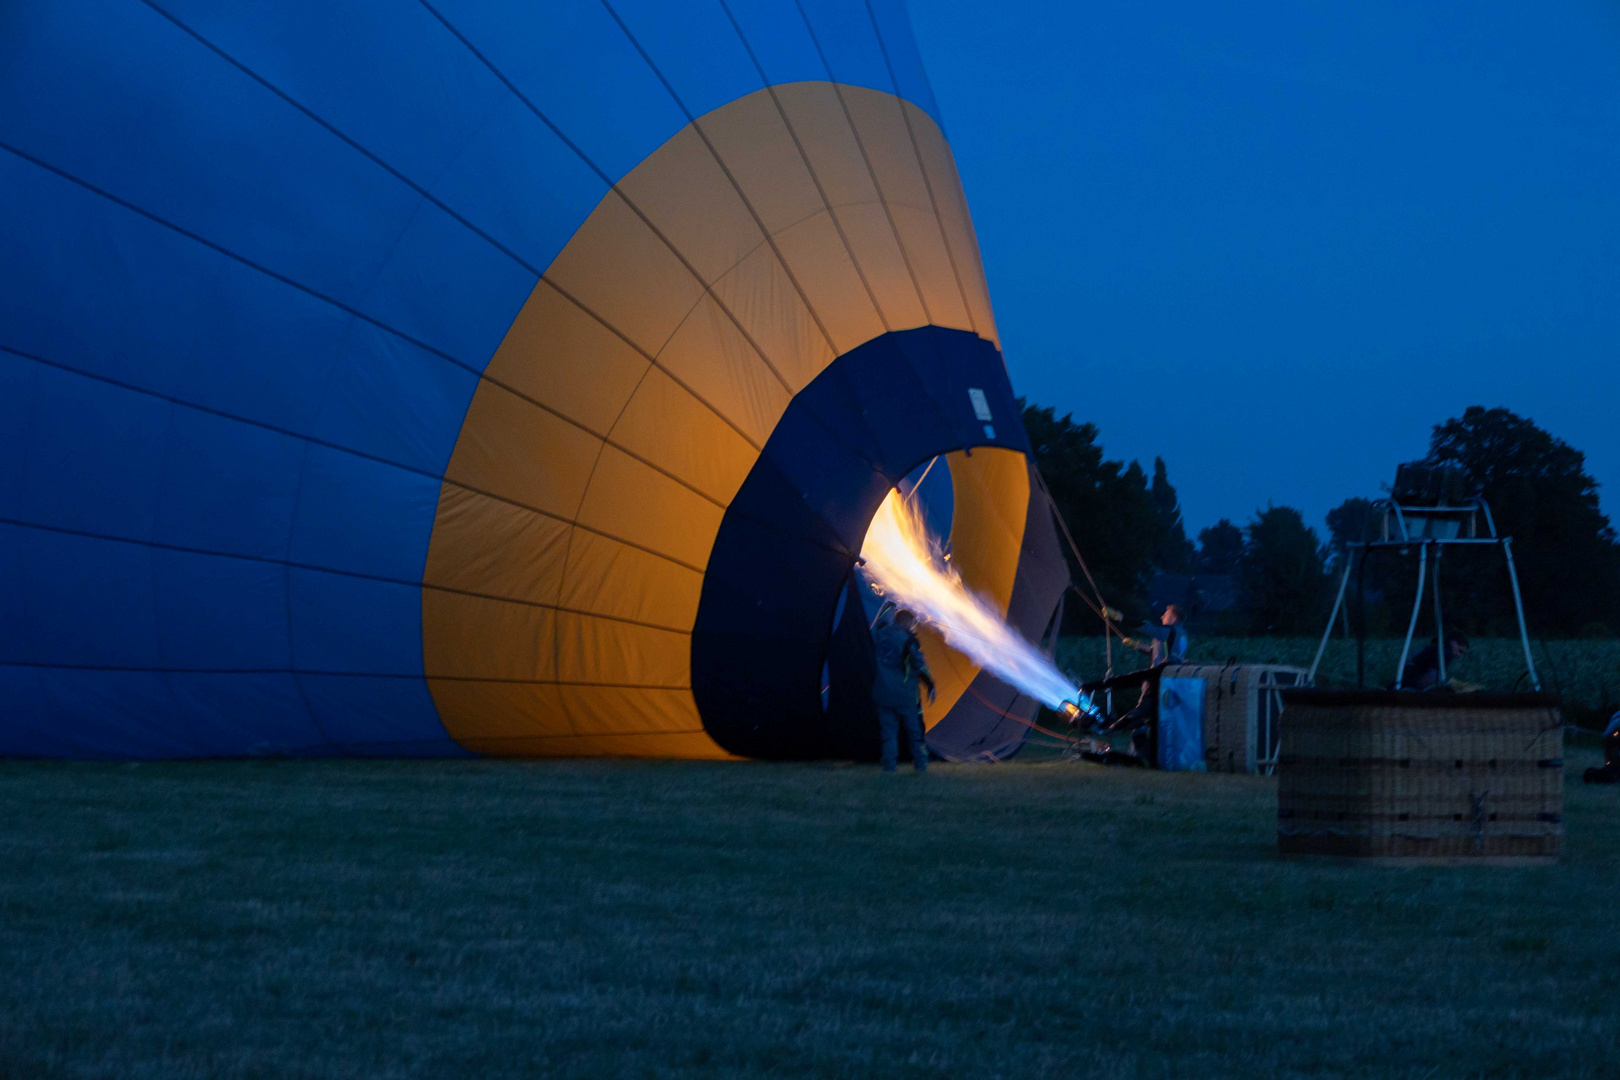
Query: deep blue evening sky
x=1276, y=242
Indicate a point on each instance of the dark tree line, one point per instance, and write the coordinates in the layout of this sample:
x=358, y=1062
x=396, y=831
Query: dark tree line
x=1129, y=528
x=1107, y=506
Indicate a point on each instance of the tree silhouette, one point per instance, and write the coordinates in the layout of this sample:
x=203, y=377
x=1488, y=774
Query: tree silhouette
x=1283, y=573
x=1220, y=548
x=1540, y=493
x=1107, y=507
x=1350, y=522
x=1174, y=552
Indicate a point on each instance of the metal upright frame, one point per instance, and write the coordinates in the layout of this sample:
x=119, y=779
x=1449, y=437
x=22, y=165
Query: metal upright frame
x=1427, y=528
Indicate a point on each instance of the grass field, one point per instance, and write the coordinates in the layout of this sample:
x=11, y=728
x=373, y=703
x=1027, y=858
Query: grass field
x=1585, y=673
x=586, y=919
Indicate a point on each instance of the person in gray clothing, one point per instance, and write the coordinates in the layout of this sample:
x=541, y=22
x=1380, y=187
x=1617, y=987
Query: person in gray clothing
x=900, y=668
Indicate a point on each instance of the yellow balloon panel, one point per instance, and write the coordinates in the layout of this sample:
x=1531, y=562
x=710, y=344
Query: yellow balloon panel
x=930, y=263
x=760, y=294
x=991, y=491
x=631, y=396
x=500, y=716
x=826, y=272
x=880, y=125
x=815, y=112
x=666, y=426
x=481, y=638
x=597, y=651
x=617, y=267
x=751, y=135
x=560, y=356
x=714, y=356
x=887, y=141
x=690, y=201
x=610, y=577
x=874, y=245
x=504, y=440
x=620, y=710
x=631, y=500
x=491, y=547
x=950, y=203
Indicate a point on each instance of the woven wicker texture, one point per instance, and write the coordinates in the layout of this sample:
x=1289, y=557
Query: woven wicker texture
x=1232, y=710
x=1420, y=776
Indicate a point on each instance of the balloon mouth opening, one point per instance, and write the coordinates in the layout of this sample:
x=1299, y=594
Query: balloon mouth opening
x=910, y=568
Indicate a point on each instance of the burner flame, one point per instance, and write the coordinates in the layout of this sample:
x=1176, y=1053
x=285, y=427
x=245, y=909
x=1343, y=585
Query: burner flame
x=908, y=566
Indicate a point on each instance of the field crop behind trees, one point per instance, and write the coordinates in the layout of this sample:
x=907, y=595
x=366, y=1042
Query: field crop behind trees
x=1585, y=673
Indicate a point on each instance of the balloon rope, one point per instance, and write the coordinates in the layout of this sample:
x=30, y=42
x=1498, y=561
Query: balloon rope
x=1028, y=723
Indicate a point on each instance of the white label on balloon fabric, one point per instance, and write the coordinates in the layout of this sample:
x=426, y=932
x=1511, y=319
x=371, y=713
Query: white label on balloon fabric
x=981, y=407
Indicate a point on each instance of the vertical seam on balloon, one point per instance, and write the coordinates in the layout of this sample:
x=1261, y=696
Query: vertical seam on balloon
x=556, y=622
x=568, y=550
x=320, y=407
x=645, y=220
x=292, y=535
x=849, y=119
x=568, y=554
x=804, y=156
x=650, y=358
x=732, y=179
x=974, y=256
x=832, y=215
x=933, y=202
x=287, y=590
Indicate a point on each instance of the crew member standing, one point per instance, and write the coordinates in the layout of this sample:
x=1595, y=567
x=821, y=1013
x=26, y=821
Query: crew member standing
x=900, y=667
x=1166, y=643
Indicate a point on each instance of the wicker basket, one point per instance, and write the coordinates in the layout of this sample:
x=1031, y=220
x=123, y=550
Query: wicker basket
x=1241, y=712
x=1443, y=777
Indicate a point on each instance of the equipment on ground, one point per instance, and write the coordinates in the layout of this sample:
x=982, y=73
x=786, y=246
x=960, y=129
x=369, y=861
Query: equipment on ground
x=1429, y=529
x=1436, y=775
x=1242, y=711
x=1384, y=774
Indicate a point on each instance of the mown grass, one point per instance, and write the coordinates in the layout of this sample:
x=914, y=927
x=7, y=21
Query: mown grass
x=610, y=919
x=1585, y=673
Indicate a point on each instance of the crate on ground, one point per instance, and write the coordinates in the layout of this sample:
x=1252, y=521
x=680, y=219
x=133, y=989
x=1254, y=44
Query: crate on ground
x=1408, y=776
